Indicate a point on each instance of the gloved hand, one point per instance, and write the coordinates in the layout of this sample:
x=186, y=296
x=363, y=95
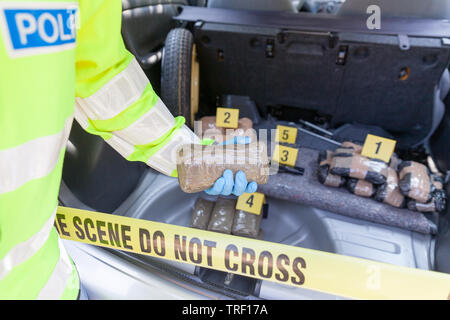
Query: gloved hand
x=227, y=185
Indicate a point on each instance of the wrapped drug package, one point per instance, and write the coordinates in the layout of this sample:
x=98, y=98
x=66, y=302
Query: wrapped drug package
x=246, y=224
x=201, y=213
x=436, y=204
x=218, y=134
x=308, y=190
x=324, y=175
x=200, y=166
x=222, y=216
x=358, y=167
x=389, y=192
x=415, y=181
x=356, y=147
x=361, y=188
x=344, y=152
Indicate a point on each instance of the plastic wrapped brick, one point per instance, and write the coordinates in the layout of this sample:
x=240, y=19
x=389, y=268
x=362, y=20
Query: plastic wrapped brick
x=211, y=131
x=436, y=204
x=359, y=167
x=415, y=182
x=324, y=175
x=246, y=224
x=245, y=129
x=245, y=124
x=200, y=166
x=361, y=188
x=389, y=192
x=222, y=216
x=201, y=214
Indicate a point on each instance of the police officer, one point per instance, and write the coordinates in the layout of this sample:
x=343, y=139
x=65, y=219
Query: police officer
x=60, y=60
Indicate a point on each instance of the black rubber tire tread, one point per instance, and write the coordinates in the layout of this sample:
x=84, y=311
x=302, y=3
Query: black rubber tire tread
x=176, y=73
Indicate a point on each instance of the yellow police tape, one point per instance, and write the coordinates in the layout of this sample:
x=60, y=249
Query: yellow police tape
x=304, y=268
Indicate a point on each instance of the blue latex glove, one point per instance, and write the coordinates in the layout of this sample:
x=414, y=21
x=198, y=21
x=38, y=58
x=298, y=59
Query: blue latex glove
x=227, y=185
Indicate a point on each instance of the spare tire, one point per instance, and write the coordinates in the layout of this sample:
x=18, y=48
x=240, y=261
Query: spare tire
x=179, y=75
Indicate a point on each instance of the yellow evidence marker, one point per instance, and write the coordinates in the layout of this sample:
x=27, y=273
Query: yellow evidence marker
x=251, y=202
x=286, y=134
x=227, y=118
x=378, y=148
x=285, y=155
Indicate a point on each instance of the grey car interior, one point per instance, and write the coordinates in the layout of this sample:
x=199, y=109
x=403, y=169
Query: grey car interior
x=430, y=9
x=266, y=5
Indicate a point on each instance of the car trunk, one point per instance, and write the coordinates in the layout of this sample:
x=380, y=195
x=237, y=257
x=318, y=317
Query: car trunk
x=343, y=83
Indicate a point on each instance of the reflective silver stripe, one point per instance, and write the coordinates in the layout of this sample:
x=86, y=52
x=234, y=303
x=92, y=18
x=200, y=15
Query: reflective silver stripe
x=150, y=126
x=31, y=160
x=118, y=94
x=115, y=97
x=25, y=250
x=165, y=159
x=59, y=280
x=123, y=147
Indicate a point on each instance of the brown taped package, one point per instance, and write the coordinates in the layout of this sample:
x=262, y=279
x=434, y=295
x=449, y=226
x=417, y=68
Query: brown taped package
x=332, y=180
x=200, y=166
x=245, y=129
x=246, y=224
x=394, y=162
x=437, y=203
x=211, y=131
x=356, y=147
x=389, y=192
x=325, y=158
x=222, y=216
x=421, y=207
x=201, y=214
x=359, y=167
x=344, y=152
x=361, y=188
x=415, y=181
x=324, y=175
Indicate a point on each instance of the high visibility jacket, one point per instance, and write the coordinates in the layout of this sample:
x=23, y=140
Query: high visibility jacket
x=56, y=65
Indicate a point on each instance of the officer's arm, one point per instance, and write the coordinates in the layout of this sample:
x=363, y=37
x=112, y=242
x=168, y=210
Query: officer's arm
x=114, y=97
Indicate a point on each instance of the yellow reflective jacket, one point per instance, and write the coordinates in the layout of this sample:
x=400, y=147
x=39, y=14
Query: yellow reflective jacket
x=60, y=60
